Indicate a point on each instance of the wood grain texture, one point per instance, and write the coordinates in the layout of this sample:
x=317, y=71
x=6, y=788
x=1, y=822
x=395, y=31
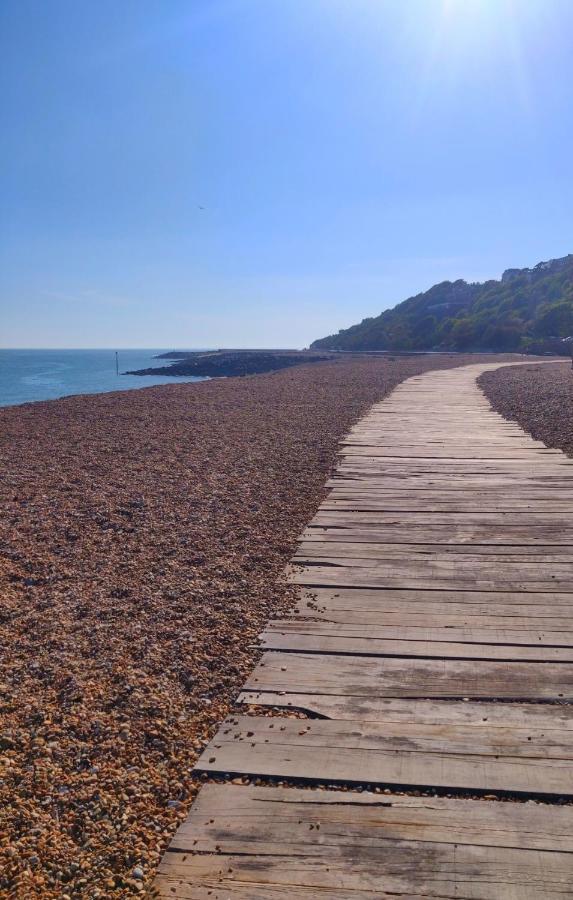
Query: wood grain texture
x=242, y=842
x=390, y=677
x=337, y=639
x=432, y=712
x=511, y=759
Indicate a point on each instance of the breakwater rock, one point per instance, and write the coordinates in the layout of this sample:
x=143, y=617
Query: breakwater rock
x=227, y=363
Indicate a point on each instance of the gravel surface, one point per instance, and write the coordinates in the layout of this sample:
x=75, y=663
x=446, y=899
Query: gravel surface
x=143, y=537
x=538, y=397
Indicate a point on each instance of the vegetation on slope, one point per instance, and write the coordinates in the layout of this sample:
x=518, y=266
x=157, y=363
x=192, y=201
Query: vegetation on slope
x=528, y=309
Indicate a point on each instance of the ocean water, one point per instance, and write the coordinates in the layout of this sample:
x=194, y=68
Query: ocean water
x=29, y=375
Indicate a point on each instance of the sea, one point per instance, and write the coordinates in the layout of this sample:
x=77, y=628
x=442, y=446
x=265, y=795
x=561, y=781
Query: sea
x=27, y=376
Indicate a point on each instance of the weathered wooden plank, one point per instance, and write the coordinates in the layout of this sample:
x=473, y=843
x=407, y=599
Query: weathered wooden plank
x=337, y=640
x=372, y=677
x=333, y=542
x=462, y=620
x=354, y=576
x=516, y=742
x=468, y=520
x=481, y=468
x=465, y=568
x=432, y=712
x=456, y=622
x=490, y=452
x=337, y=527
x=391, y=487
x=412, y=870
x=553, y=509
x=556, y=464
x=435, y=622
x=352, y=472
x=448, y=757
x=420, y=499
x=347, y=475
x=232, y=819
x=483, y=473
x=518, y=499
x=467, y=602
x=447, y=450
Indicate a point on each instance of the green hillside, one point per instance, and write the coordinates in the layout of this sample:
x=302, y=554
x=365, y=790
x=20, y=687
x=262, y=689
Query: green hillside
x=528, y=309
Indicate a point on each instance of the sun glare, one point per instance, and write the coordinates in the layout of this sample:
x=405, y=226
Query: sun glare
x=468, y=42
x=467, y=15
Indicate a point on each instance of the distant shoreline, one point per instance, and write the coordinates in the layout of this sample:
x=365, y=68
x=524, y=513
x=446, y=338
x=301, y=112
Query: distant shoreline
x=238, y=363
x=36, y=376
x=231, y=363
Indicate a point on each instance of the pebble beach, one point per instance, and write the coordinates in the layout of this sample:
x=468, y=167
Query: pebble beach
x=539, y=398
x=143, y=539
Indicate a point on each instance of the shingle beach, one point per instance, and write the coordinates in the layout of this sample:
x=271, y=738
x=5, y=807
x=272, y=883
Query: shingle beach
x=143, y=537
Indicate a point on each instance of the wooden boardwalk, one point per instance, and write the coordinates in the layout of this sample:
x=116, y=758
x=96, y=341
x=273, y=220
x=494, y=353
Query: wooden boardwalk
x=433, y=648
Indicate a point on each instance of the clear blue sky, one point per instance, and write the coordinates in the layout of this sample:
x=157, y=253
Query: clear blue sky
x=347, y=153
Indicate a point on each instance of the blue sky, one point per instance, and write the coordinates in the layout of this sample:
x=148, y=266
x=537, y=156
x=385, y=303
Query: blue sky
x=264, y=172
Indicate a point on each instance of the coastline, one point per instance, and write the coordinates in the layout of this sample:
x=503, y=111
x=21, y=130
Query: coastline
x=231, y=363
x=36, y=375
x=145, y=535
